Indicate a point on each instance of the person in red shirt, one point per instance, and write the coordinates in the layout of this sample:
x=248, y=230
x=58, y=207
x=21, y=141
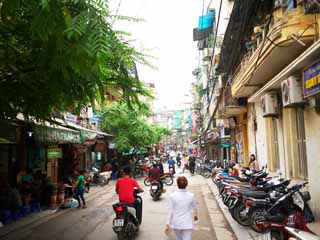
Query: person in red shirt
x=125, y=187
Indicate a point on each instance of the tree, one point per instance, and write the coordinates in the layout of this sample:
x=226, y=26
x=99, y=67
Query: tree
x=58, y=55
x=129, y=126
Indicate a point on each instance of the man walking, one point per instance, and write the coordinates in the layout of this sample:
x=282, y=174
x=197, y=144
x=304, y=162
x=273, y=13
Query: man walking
x=192, y=163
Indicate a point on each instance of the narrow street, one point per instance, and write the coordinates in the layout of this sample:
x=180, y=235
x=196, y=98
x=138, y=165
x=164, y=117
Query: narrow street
x=94, y=223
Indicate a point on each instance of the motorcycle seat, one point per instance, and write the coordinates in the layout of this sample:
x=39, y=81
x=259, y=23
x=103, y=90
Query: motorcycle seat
x=254, y=194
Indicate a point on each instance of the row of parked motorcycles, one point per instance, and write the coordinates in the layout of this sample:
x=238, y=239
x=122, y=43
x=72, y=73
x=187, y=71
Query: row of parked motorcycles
x=269, y=205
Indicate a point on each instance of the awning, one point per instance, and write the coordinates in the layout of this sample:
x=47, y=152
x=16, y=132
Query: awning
x=87, y=136
x=7, y=132
x=51, y=133
x=304, y=60
x=5, y=141
x=141, y=151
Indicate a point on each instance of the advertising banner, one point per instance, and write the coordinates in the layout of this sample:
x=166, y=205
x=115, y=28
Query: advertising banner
x=311, y=80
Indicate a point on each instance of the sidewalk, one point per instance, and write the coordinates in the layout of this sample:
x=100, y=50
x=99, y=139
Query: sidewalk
x=46, y=215
x=241, y=232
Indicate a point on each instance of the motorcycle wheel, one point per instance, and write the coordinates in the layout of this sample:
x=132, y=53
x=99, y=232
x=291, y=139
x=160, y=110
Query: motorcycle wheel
x=147, y=181
x=239, y=215
x=255, y=216
x=121, y=236
x=168, y=181
x=207, y=174
x=276, y=235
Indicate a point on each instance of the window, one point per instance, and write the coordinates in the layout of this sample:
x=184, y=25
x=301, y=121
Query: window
x=275, y=144
x=301, y=144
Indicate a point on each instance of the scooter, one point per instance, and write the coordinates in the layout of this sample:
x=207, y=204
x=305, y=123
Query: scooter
x=155, y=190
x=126, y=224
x=290, y=210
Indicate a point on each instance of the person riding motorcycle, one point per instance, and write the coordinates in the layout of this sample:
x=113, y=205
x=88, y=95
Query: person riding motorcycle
x=172, y=163
x=160, y=165
x=125, y=187
x=155, y=174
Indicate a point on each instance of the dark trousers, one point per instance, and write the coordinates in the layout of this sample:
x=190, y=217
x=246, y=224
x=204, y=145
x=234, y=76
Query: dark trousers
x=192, y=166
x=87, y=186
x=80, y=195
x=138, y=207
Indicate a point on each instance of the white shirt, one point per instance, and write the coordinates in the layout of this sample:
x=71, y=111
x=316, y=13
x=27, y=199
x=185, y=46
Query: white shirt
x=181, y=204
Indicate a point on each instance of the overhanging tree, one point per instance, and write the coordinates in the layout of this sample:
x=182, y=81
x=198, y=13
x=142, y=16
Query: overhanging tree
x=57, y=55
x=129, y=126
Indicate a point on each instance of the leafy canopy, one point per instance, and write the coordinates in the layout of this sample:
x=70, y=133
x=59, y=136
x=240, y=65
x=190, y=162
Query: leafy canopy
x=130, y=127
x=58, y=55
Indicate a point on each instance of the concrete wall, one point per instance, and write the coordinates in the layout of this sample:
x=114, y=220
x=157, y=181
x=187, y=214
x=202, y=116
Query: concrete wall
x=312, y=126
x=256, y=139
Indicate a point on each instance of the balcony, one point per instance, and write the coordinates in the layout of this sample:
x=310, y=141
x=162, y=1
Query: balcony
x=230, y=106
x=207, y=54
x=292, y=29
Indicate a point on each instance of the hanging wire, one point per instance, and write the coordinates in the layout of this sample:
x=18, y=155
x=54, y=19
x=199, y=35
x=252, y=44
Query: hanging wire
x=117, y=11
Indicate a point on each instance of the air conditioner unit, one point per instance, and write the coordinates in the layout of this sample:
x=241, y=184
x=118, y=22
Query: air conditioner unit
x=291, y=90
x=269, y=104
x=207, y=54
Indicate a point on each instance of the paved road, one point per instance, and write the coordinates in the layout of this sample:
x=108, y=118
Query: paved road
x=94, y=223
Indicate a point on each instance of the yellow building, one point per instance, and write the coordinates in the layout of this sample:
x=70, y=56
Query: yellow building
x=280, y=77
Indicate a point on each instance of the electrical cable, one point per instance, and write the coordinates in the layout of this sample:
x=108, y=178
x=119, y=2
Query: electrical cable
x=220, y=96
x=295, y=40
x=117, y=11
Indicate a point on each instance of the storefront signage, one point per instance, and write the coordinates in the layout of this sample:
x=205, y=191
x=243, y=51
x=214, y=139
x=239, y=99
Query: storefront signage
x=54, y=153
x=52, y=135
x=88, y=137
x=70, y=118
x=311, y=80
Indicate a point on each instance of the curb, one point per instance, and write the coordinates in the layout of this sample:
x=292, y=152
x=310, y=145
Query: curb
x=43, y=219
x=241, y=232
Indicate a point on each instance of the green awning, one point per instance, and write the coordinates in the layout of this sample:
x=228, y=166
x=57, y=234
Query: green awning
x=5, y=141
x=55, y=134
x=131, y=152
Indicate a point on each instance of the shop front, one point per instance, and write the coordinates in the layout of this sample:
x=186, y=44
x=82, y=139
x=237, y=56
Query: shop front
x=8, y=152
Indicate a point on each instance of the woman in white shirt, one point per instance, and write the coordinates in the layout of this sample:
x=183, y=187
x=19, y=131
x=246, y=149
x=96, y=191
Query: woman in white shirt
x=181, y=205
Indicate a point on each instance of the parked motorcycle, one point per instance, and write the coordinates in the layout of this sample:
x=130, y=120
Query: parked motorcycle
x=98, y=178
x=290, y=210
x=126, y=224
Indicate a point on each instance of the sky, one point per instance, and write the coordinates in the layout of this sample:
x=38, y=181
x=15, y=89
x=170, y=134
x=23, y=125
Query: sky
x=167, y=35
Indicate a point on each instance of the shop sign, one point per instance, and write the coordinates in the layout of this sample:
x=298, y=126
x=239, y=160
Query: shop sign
x=52, y=135
x=112, y=145
x=70, y=118
x=311, y=80
x=88, y=137
x=54, y=153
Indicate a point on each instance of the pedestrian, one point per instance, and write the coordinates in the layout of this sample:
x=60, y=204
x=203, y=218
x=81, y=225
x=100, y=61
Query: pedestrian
x=182, y=204
x=79, y=189
x=253, y=165
x=192, y=163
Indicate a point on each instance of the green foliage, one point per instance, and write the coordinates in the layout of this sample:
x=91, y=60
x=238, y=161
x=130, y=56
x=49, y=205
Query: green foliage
x=130, y=127
x=58, y=55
